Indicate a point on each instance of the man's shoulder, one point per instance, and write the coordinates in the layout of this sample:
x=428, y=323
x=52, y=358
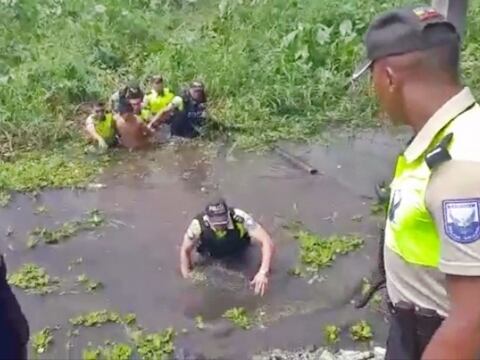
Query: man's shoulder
x=466, y=138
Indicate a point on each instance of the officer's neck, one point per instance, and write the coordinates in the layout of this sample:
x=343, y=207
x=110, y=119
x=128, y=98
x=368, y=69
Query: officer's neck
x=422, y=107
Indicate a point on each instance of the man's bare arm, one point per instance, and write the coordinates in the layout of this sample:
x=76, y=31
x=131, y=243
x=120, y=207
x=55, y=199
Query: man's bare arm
x=260, y=236
x=186, y=255
x=459, y=335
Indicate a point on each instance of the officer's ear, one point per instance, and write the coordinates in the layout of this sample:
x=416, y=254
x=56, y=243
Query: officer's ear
x=392, y=78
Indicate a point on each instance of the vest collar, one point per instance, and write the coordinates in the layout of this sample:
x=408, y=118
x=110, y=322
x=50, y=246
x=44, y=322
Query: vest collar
x=451, y=109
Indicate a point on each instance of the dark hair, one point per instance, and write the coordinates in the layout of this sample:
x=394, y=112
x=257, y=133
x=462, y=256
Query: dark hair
x=134, y=93
x=99, y=104
x=446, y=56
x=124, y=106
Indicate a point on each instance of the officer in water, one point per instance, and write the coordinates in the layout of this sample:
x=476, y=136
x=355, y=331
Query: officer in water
x=14, y=330
x=432, y=232
x=220, y=232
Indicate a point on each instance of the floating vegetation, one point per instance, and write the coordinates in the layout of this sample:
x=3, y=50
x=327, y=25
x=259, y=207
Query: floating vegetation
x=361, y=331
x=110, y=352
x=157, y=346
x=239, y=317
x=317, y=252
x=33, y=279
x=89, y=284
x=331, y=334
x=90, y=221
x=99, y=318
x=41, y=340
x=41, y=210
x=199, y=324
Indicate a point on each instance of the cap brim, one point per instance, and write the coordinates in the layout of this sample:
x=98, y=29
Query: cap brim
x=218, y=220
x=361, y=70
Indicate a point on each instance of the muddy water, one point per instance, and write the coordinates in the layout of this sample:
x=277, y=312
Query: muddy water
x=149, y=200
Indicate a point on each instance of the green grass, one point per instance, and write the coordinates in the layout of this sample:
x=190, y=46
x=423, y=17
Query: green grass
x=274, y=70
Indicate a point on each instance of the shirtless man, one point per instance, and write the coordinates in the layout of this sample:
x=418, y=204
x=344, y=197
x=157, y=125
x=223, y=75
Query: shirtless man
x=133, y=132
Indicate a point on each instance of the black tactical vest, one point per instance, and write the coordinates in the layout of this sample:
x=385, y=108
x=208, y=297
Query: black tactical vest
x=219, y=244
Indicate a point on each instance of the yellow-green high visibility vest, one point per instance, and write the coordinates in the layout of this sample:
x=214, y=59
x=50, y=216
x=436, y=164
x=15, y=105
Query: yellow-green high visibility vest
x=106, y=128
x=156, y=102
x=410, y=230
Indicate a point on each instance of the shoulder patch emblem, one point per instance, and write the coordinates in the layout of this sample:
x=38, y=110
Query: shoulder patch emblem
x=461, y=220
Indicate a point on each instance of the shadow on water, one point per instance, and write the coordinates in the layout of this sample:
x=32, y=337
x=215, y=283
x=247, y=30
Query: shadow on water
x=149, y=200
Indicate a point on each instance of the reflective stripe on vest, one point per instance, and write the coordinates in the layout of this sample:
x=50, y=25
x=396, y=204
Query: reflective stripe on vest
x=410, y=230
x=106, y=128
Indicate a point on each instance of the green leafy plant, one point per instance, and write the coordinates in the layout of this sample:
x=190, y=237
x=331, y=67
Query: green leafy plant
x=157, y=346
x=90, y=221
x=98, y=318
x=331, y=334
x=41, y=340
x=317, y=252
x=239, y=317
x=111, y=352
x=33, y=279
x=199, y=324
x=361, y=331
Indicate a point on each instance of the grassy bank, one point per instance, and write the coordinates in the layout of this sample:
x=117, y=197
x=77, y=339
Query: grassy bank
x=275, y=69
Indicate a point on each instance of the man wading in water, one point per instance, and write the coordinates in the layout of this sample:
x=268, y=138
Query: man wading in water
x=221, y=232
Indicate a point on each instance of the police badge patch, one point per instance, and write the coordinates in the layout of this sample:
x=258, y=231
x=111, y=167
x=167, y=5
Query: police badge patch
x=461, y=220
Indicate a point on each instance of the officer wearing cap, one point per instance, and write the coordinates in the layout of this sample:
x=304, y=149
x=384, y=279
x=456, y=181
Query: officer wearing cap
x=186, y=114
x=221, y=231
x=14, y=330
x=158, y=98
x=432, y=233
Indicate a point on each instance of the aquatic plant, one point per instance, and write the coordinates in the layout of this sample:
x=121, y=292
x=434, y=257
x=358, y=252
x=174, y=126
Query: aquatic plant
x=33, y=279
x=90, y=221
x=98, y=318
x=89, y=284
x=199, y=324
x=317, y=252
x=239, y=317
x=361, y=331
x=111, y=352
x=156, y=346
x=331, y=334
x=41, y=340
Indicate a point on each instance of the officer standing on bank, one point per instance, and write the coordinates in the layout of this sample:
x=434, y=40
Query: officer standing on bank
x=14, y=330
x=432, y=233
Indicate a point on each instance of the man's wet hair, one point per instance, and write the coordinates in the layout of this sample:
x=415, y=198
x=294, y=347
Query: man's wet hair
x=99, y=104
x=124, y=106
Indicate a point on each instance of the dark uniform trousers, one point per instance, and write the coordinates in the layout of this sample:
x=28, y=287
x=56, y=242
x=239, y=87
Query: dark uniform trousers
x=14, y=329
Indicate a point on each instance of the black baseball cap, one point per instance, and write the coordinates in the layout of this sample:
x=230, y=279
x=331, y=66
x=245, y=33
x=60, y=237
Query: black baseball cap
x=405, y=30
x=217, y=212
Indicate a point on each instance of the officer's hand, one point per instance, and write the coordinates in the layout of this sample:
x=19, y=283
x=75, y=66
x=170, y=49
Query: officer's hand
x=102, y=144
x=186, y=273
x=260, y=283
